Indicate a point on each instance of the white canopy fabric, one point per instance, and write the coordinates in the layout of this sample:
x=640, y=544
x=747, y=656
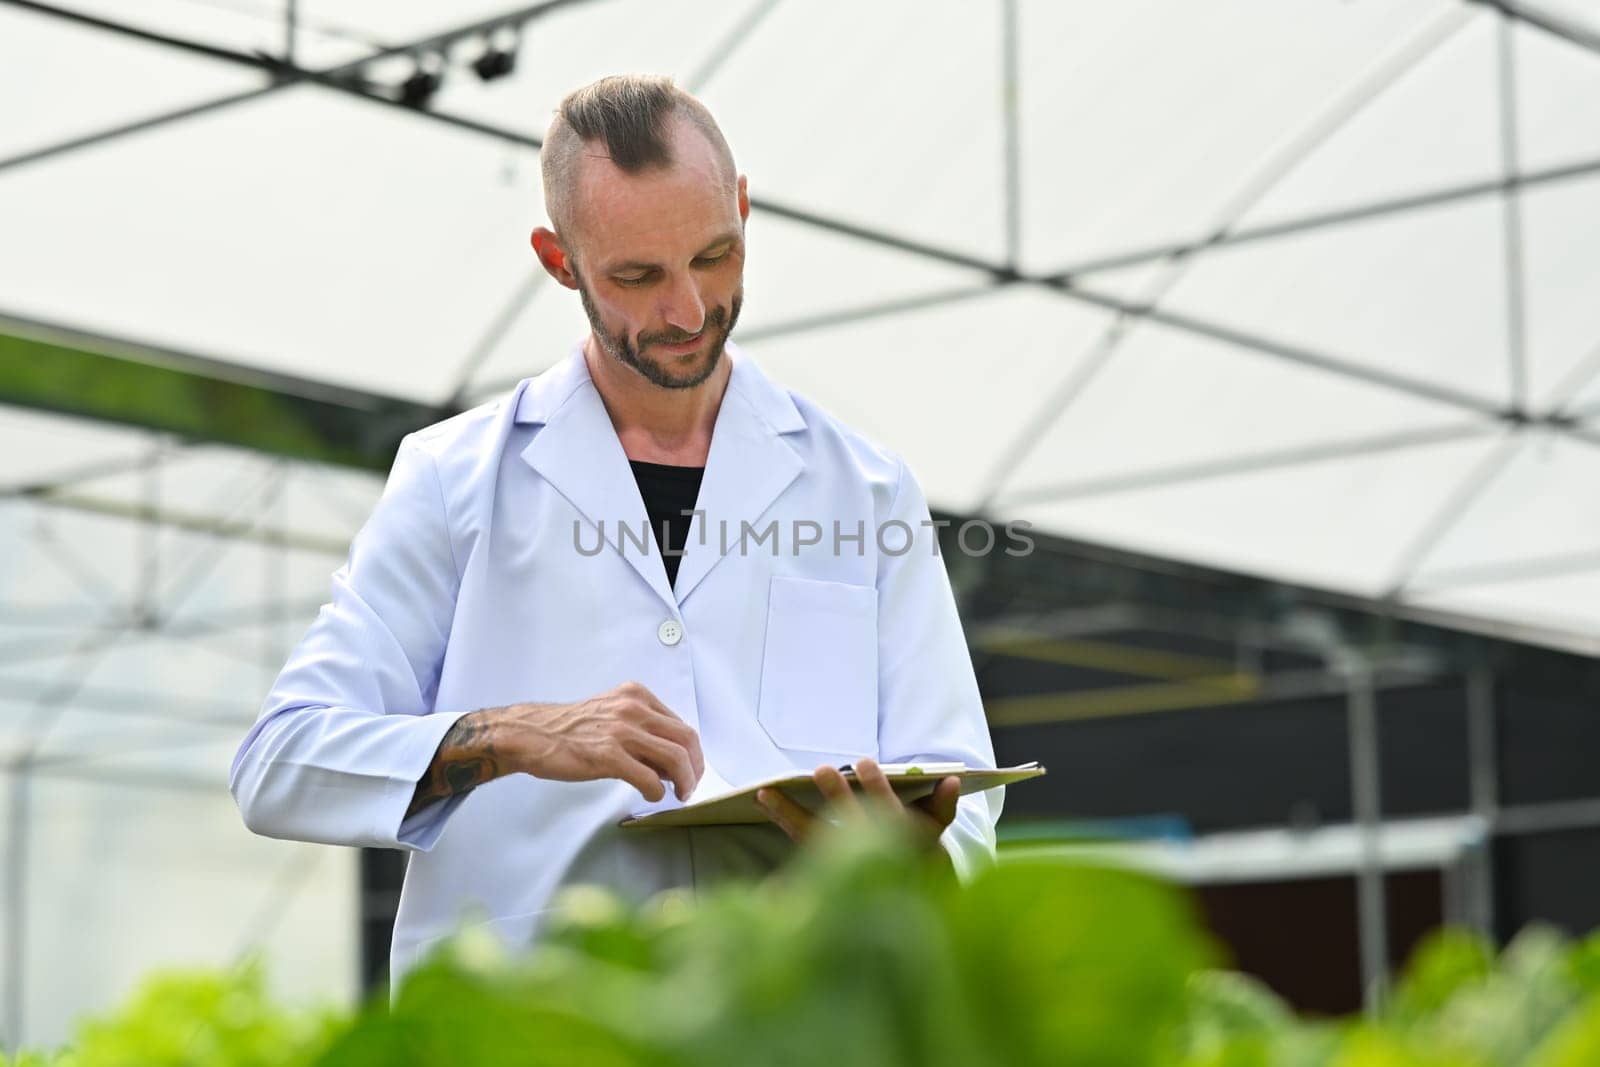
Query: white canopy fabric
x=1303, y=290
x=1319, y=394
x=1328, y=387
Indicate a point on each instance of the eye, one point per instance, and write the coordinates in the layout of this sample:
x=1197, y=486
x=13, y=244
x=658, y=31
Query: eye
x=711, y=261
x=632, y=281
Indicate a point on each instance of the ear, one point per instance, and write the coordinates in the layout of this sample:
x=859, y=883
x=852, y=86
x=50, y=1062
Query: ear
x=744, y=199
x=553, y=256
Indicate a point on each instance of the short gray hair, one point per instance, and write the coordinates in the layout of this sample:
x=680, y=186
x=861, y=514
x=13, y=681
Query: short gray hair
x=632, y=115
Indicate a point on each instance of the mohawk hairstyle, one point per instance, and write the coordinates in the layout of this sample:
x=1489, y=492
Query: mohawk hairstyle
x=631, y=116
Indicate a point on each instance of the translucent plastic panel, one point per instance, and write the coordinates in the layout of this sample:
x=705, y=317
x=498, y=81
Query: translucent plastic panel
x=125, y=880
x=941, y=386
x=36, y=449
x=179, y=754
x=1142, y=120
x=85, y=716
x=79, y=81
x=233, y=582
x=1561, y=227
x=312, y=234
x=1542, y=506
x=1344, y=524
x=1565, y=602
x=1553, y=76
x=15, y=739
x=138, y=663
x=1167, y=401
x=1420, y=295
x=90, y=740
x=1589, y=400
x=72, y=570
x=79, y=565
x=224, y=634
x=327, y=502
x=7, y=977
x=318, y=509
x=543, y=322
x=1432, y=127
x=200, y=482
x=886, y=114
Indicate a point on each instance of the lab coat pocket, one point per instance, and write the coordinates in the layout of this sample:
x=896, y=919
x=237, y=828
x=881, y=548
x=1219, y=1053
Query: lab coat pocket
x=819, y=668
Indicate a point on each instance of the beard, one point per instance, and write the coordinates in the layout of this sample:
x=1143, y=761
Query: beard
x=714, y=332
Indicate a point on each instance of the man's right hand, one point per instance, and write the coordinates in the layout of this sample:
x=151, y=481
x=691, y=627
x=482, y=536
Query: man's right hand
x=624, y=733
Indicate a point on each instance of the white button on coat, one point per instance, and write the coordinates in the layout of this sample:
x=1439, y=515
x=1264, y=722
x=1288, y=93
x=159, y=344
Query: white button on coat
x=493, y=571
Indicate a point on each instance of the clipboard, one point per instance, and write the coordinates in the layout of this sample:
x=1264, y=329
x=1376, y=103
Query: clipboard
x=911, y=782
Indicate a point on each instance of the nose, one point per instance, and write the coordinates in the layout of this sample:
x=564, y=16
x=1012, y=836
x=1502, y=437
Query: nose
x=684, y=309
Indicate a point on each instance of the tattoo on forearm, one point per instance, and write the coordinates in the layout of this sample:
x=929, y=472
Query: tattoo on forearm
x=466, y=759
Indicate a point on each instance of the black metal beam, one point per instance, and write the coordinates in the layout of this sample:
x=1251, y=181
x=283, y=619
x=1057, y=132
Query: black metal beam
x=1188, y=473
x=138, y=33
x=1296, y=354
x=1554, y=25
x=865, y=313
x=998, y=273
x=125, y=129
x=900, y=243
x=344, y=77
x=1324, y=220
x=1511, y=211
x=1010, y=124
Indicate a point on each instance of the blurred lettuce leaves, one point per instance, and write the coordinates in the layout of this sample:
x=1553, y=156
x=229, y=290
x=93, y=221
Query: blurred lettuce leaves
x=864, y=953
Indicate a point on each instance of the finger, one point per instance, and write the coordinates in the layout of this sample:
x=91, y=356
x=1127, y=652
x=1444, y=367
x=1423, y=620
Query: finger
x=941, y=804
x=679, y=733
x=656, y=717
x=836, y=791
x=638, y=775
x=790, y=817
x=666, y=758
x=875, y=783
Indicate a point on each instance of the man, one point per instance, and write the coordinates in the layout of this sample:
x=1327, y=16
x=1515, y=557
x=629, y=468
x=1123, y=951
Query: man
x=506, y=669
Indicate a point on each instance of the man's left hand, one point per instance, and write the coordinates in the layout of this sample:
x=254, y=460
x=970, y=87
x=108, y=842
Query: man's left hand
x=923, y=819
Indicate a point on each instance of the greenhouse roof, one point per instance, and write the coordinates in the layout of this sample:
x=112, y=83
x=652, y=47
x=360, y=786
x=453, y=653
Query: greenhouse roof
x=1304, y=291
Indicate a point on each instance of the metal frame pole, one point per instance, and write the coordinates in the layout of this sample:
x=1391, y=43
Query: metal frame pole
x=1366, y=800
x=1484, y=791
x=16, y=889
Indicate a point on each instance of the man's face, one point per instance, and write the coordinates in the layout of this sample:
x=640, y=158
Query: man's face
x=659, y=260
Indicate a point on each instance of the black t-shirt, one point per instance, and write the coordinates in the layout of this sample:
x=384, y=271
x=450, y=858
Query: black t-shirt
x=668, y=493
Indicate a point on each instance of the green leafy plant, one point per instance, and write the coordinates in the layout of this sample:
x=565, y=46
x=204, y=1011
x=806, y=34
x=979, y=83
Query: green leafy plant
x=864, y=954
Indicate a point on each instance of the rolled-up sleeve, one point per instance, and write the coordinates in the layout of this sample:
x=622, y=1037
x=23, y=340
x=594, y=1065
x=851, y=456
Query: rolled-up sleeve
x=349, y=728
x=928, y=703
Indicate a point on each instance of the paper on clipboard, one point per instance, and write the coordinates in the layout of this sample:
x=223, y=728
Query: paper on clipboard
x=715, y=803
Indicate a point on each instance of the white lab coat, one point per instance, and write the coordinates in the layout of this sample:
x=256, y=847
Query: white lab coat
x=477, y=582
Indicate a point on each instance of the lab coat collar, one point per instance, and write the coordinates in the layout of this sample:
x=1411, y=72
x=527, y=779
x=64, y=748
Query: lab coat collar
x=578, y=452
